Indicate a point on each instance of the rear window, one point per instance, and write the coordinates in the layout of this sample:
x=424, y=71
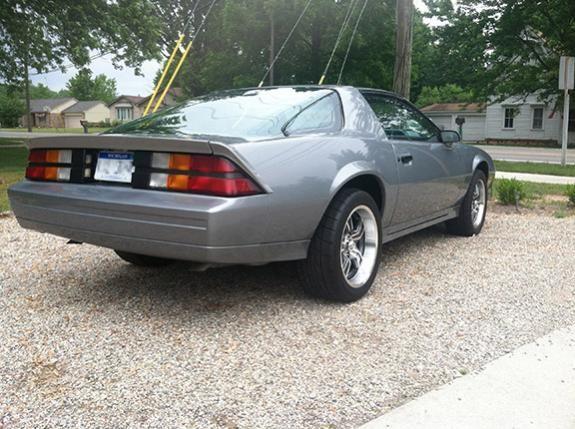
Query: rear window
x=243, y=115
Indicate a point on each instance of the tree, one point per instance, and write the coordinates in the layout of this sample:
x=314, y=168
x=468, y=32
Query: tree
x=47, y=34
x=44, y=34
x=449, y=93
x=11, y=106
x=84, y=87
x=503, y=48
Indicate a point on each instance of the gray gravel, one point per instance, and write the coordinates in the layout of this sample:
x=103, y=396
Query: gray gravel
x=87, y=340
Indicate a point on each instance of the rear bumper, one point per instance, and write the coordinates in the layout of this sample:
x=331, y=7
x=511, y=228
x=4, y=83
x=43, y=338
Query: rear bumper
x=177, y=226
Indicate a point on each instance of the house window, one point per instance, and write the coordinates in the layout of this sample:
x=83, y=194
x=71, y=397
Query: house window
x=537, y=123
x=509, y=117
x=124, y=113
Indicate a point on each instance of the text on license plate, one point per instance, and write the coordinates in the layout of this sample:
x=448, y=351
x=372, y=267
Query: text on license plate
x=114, y=167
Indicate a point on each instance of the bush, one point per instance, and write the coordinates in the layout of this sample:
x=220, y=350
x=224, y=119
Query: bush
x=570, y=192
x=510, y=191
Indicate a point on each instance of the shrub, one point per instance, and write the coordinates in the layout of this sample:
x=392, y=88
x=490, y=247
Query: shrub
x=510, y=191
x=570, y=192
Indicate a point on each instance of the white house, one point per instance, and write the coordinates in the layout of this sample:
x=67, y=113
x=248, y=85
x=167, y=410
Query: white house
x=524, y=120
x=91, y=111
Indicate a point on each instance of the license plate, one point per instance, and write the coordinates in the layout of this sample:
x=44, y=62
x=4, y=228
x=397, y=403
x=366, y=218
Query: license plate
x=114, y=167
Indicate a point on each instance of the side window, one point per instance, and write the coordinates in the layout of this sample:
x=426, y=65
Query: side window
x=321, y=117
x=401, y=121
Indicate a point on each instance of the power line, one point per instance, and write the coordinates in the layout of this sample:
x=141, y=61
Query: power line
x=285, y=43
x=351, y=42
x=339, y=36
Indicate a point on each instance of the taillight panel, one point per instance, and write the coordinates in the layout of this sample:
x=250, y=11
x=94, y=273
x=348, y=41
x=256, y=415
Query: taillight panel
x=49, y=165
x=172, y=172
x=200, y=174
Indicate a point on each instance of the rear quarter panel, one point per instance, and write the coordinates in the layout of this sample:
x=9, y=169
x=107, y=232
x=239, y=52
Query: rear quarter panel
x=305, y=173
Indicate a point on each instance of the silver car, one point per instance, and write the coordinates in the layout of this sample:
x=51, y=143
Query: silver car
x=318, y=174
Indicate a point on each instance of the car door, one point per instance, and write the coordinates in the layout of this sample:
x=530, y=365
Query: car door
x=431, y=174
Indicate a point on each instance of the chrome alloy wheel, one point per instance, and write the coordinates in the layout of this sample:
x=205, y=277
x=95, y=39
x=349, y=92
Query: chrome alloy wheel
x=478, y=202
x=359, y=244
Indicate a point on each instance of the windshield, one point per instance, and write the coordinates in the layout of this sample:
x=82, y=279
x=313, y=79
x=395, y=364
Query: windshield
x=243, y=115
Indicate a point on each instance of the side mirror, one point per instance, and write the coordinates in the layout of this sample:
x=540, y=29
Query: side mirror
x=450, y=137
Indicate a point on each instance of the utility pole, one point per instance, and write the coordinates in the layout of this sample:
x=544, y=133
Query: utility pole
x=272, y=46
x=403, y=47
x=566, y=83
x=27, y=95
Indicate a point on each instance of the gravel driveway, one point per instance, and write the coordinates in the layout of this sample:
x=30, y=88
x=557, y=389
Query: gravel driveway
x=87, y=340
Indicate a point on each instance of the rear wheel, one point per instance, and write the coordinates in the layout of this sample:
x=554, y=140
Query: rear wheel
x=344, y=253
x=473, y=208
x=143, y=260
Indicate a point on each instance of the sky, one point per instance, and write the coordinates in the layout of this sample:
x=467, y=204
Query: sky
x=127, y=83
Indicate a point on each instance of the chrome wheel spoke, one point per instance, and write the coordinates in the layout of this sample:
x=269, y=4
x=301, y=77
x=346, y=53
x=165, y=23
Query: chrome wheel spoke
x=357, y=234
x=356, y=257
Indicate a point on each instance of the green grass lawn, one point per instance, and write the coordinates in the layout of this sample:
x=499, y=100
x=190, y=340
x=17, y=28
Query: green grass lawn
x=535, y=168
x=4, y=142
x=55, y=130
x=539, y=190
x=12, y=166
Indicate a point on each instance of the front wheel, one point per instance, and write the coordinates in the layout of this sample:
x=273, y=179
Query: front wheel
x=473, y=208
x=344, y=253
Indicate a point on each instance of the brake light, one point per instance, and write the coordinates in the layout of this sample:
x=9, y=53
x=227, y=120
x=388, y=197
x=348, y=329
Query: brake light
x=49, y=165
x=200, y=174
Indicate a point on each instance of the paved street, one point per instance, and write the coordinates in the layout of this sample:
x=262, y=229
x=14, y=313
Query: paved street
x=26, y=135
x=531, y=154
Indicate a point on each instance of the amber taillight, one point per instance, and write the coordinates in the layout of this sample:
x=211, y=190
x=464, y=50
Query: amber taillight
x=49, y=165
x=200, y=174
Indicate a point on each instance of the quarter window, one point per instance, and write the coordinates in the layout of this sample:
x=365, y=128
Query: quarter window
x=401, y=121
x=537, y=123
x=321, y=117
x=509, y=120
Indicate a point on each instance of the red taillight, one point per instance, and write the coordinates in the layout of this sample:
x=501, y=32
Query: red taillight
x=49, y=165
x=200, y=174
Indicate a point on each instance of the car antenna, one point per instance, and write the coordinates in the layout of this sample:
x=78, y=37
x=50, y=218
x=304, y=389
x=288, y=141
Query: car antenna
x=284, y=43
x=351, y=42
x=346, y=21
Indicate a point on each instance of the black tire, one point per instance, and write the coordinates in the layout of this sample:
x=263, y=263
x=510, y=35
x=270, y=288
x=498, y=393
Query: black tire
x=322, y=273
x=465, y=225
x=143, y=260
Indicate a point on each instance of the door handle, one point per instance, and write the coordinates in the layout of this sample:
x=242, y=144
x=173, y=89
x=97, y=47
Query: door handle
x=405, y=159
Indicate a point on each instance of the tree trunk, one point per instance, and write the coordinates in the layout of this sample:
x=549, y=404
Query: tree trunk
x=403, y=47
x=272, y=47
x=27, y=94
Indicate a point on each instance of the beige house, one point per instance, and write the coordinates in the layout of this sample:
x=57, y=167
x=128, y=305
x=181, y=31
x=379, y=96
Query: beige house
x=47, y=112
x=128, y=107
x=125, y=108
x=91, y=111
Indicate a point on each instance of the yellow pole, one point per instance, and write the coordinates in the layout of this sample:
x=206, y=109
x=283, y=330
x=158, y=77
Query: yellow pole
x=164, y=73
x=167, y=88
x=321, y=80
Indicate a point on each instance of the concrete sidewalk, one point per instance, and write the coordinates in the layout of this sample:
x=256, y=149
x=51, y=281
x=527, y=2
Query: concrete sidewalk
x=532, y=387
x=537, y=178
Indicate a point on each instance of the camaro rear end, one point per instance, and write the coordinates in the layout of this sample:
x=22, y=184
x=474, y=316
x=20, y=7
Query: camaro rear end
x=324, y=175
